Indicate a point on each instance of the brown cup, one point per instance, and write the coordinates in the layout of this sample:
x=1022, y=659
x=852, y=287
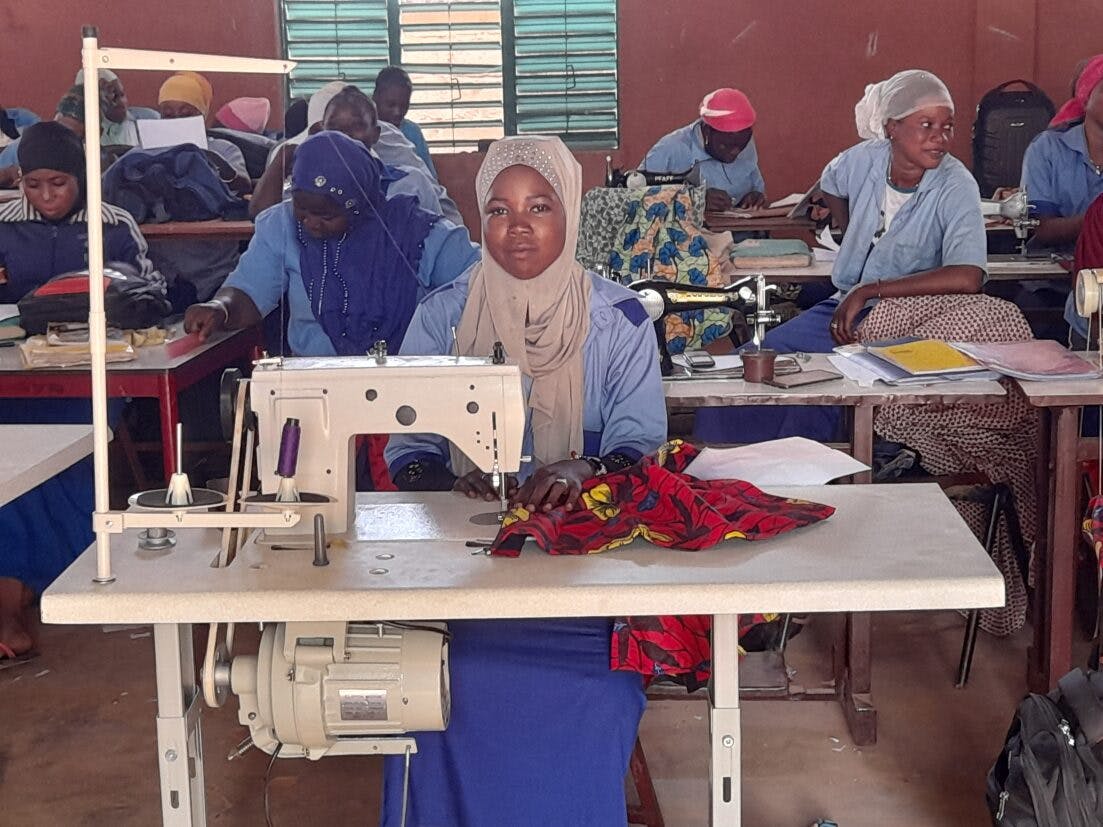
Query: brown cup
x=758, y=365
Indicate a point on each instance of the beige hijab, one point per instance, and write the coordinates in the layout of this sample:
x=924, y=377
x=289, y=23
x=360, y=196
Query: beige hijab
x=542, y=322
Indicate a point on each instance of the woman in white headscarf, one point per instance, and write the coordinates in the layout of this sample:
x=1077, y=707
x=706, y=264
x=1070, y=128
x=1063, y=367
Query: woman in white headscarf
x=912, y=226
x=541, y=730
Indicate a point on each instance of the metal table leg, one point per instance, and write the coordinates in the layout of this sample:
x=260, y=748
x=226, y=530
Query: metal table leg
x=179, y=739
x=724, y=725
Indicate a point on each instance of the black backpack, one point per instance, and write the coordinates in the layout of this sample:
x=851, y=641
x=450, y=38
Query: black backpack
x=1007, y=121
x=130, y=301
x=1050, y=773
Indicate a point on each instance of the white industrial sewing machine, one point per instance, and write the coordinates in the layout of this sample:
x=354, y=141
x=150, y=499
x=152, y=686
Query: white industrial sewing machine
x=356, y=684
x=473, y=402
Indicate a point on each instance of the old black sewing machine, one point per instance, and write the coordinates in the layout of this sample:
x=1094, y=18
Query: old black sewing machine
x=746, y=295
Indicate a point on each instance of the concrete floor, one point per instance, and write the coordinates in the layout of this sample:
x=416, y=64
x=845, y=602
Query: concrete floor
x=77, y=741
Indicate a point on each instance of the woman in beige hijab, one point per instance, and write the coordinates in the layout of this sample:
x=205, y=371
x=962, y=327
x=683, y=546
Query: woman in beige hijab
x=541, y=730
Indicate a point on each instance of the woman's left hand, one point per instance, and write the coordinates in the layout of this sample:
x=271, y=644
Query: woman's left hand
x=753, y=201
x=844, y=324
x=558, y=484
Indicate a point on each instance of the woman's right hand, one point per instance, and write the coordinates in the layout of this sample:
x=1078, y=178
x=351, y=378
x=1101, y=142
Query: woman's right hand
x=477, y=485
x=206, y=318
x=717, y=200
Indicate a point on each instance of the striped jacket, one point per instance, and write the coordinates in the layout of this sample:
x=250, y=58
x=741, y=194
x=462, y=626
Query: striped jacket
x=34, y=250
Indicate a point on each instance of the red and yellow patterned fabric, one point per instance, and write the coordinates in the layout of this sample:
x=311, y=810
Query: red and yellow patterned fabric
x=1093, y=526
x=656, y=500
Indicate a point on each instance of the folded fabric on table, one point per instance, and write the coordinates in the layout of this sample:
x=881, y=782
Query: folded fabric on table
x=767, y=253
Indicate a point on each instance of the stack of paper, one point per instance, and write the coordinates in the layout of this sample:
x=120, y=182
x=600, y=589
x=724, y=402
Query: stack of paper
x=1034, y=359
x=910, y=362
x=66, y=345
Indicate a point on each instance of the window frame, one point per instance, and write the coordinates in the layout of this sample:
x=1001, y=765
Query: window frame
x=508, y=44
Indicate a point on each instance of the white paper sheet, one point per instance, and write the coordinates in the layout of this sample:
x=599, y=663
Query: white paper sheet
x=853, y=369
x=790, y=200
x=791, y=461
x=155, y=133
x=826, y=240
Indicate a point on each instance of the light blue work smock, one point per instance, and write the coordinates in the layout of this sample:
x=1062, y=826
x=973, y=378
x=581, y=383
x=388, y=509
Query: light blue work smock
x=271, y=266
x=414, y=135
x=939, y=226
x=623, y=405
x=684, y=149
x=1061, y=182
x=1058, y=174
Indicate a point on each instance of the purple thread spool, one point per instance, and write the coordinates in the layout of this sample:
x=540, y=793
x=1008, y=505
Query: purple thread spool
x=289, y=448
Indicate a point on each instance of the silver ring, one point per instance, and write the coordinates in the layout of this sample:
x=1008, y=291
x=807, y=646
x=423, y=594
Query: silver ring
x=562, y=481
x=834, y=324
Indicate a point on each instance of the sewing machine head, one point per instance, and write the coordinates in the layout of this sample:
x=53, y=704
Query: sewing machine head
x=747, y=295
x=1016, y=209
x=476, y=403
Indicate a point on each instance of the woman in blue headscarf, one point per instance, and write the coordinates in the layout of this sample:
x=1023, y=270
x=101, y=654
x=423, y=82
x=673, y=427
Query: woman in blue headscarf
x=351, y=262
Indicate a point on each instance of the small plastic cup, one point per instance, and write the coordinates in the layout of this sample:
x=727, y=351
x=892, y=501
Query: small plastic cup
x=758, y=365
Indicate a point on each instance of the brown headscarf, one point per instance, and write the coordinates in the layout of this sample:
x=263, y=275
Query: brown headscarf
x=542, y=322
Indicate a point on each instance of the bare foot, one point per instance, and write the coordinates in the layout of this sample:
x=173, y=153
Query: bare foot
x=15, y=601
x=14, y=633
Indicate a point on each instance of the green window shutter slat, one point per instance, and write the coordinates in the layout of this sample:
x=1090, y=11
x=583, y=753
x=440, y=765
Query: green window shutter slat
x=565, y=55
x=335, y=40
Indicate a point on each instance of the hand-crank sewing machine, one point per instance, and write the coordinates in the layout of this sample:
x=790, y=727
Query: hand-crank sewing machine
x=747, y=295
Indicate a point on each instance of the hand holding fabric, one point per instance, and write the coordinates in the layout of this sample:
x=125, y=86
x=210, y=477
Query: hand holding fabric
x=476, y=485
x=554, y=485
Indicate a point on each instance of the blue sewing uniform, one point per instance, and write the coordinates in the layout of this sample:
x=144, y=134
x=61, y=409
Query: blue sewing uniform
x=270, y=267
x=1058, y=174
x=414, y=135
x=1060, y=182
x=9, y=155
x=684, y=149
x=939, y=226
x=541, y=730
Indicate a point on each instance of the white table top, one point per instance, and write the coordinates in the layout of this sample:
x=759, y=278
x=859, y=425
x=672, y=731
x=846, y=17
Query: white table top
x=152, y=359
x=33, y=454
x=854, y=561
x=1065, y=392
x=697, y=393
x=1009, y=268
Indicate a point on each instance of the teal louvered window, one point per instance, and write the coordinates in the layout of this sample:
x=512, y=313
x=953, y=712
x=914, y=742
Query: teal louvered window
x=342, y=40
x=481, y=68
x=565, y=70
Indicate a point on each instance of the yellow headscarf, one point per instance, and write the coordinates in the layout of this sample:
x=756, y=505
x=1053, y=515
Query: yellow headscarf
x=188, y=87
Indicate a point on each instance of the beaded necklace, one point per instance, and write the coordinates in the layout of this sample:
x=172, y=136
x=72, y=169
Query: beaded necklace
x=325, y=276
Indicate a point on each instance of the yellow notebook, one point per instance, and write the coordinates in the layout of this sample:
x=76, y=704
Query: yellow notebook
x=925, y=357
